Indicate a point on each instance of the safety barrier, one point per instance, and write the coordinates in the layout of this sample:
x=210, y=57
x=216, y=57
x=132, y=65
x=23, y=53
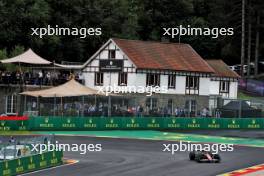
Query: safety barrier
x=149, y=123
x=30, y=163
x=7, y=125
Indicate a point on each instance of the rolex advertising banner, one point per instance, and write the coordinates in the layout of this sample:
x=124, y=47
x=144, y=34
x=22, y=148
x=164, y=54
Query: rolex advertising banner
x=7, y=125
x=30, y=163
x=119, y=123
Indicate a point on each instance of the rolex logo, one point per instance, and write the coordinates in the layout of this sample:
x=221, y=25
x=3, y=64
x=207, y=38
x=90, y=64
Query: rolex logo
x=68, y=120
x=111, y=63
x=53, y=154
x=153, y=120
x=19, y=162
x=3, y=123
x=6, y=164
x=193, y=121
x=112, y=121
x=42, y=157
x=233, y=121
x=213, y=121
x=253, y=121
x=173, y=121
x=90, y=121
x=46, y=120
x=132, y=121
x=31, y=159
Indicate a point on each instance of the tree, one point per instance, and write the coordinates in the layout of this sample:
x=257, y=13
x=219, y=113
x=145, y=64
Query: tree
x=130, y=19
x=3, y=54
x=242, y=39
x=17, y=50
x=257, y=44
x=249, y=38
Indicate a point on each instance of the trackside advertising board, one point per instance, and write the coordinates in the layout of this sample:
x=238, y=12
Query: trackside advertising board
x=127, y=123
x=30, y=163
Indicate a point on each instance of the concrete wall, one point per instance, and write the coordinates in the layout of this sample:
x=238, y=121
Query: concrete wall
x=233, y=89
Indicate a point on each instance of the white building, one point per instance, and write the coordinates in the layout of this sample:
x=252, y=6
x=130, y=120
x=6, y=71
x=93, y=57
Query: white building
x=188, y=79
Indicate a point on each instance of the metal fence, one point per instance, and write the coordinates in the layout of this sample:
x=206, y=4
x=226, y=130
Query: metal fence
x=13, y=147
x=226, y=108
x=147, y=106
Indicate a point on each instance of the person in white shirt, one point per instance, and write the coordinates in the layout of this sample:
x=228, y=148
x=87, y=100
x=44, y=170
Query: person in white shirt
x=177, y=112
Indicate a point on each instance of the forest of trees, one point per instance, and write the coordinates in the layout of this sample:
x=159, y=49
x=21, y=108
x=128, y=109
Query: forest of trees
x=130, y=19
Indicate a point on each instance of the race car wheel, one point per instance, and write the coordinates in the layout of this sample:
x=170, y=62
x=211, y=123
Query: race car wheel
x=217, y=157
x=191, y=156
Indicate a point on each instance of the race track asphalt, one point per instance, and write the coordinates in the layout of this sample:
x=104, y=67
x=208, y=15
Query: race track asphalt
x=131, y=157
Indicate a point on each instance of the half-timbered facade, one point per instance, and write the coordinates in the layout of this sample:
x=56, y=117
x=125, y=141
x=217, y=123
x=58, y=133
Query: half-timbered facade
x=187, y=78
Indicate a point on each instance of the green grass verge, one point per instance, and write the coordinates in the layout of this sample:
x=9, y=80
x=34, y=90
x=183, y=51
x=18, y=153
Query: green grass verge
x=14, y=133
x=245, y=96
x=159, y=135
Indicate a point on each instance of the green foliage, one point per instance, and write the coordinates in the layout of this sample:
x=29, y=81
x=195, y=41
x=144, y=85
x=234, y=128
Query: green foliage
x=16, y=51
x=3, y=54
x=131, y=19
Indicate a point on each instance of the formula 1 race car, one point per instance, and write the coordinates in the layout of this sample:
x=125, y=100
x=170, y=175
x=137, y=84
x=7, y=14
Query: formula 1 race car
x=204, y=157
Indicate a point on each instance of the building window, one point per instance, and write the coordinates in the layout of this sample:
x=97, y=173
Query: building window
x=111, y=54
x=171, y=81
x=99, y=79
x=153, y=79
x=11, y=102
x=122, y=79
x=224, y=87
x=192, y=82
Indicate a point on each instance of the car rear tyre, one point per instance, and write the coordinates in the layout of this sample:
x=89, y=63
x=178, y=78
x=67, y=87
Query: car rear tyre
x=191, y=156
x=218, y=158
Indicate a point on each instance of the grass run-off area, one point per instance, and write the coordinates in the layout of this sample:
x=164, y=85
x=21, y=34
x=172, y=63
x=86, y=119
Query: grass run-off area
x=246, y=96
x=14, y=133
x=146, y=135
x=159, y=135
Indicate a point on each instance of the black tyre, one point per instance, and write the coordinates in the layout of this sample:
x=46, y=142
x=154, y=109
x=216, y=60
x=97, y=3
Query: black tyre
x=217, y=157
x=191, y=156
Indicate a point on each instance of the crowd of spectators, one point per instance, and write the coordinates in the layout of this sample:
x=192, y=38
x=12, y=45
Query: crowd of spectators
x=101, y=109
x=36, y=78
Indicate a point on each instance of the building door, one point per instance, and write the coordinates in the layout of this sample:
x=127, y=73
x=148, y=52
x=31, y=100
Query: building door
x=11, y=104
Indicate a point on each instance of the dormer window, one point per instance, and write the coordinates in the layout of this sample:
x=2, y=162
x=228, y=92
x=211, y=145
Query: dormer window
x=111, y=54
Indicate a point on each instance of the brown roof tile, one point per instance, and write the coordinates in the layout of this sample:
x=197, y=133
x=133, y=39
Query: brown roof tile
x=221, y=69
x=166, y=56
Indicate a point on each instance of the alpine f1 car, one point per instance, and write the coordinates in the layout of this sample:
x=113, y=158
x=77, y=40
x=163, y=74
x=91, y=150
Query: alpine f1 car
x=204, y=157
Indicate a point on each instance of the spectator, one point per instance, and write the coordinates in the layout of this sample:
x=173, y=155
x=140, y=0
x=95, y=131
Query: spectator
x=12, y=140
x=177, y=112
x=100, y=109
x=140, y=111
x=48, y=81
x=204, y=112
x=40, y=77
x=217, y=113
